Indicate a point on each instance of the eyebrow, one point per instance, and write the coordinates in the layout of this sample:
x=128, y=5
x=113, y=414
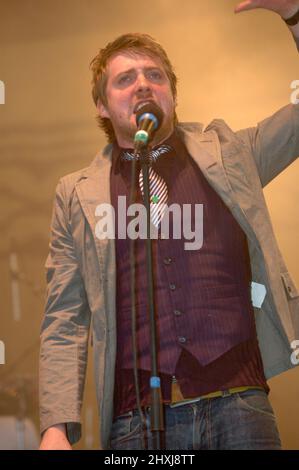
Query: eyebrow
x=133, y=69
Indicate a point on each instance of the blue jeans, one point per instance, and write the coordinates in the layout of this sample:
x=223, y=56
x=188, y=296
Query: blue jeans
x=242, y=420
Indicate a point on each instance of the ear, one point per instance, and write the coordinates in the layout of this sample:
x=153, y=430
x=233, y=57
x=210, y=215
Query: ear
x=103, y=111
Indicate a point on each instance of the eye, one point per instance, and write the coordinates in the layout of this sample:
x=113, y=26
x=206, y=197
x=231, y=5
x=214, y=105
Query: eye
x=155, y=75
x=125, y=79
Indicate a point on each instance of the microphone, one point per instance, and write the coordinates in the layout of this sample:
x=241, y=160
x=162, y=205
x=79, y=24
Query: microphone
x=149, y=118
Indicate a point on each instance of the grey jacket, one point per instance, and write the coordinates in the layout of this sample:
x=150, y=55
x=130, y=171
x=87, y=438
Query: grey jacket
x=81, y=270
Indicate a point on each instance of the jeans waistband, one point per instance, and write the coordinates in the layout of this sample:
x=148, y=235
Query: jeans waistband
x=219, y=393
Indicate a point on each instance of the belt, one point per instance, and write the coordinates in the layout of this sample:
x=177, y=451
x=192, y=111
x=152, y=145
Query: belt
x=177, y=397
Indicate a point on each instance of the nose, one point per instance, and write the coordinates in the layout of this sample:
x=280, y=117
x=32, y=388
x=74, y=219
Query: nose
x=143, y=85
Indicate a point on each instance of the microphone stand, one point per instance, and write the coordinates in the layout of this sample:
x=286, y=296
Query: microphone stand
x=157, y=424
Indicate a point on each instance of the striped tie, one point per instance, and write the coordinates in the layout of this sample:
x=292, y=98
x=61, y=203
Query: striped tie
x=158, y=195
x=158, y=187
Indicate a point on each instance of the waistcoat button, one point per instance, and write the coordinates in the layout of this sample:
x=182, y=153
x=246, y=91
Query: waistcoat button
x=177, y=312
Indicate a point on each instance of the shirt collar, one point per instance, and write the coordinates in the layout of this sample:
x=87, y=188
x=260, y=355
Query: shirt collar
x=178, y=152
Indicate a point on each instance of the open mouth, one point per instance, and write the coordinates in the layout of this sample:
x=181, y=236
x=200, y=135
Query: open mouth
x=140, y=104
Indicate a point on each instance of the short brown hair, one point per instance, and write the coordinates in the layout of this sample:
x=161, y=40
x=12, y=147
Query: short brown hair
x=133, y=42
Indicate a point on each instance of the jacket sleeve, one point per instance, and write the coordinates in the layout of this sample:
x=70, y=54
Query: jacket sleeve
x=274, y=142
x=64, y=330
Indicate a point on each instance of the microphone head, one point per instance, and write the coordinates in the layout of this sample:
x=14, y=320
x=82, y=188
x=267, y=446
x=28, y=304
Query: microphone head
x=152, y=112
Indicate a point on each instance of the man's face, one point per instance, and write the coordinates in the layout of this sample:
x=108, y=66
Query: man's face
x=133, y=79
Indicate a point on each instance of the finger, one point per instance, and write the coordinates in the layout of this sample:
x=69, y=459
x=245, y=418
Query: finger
x=248, y=5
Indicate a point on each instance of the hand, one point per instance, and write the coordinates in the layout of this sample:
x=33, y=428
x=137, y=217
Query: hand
x=285, y=8
x=54, y=438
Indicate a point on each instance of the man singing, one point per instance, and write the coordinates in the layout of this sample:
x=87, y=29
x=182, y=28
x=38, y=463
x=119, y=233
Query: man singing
x=227, y=313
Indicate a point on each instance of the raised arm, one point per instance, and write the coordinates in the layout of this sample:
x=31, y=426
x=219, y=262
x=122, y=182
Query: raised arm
x=274, y=142
x=287, y=9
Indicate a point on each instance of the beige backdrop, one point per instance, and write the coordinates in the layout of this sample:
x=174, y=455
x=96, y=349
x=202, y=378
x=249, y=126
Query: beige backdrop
x=237, y=67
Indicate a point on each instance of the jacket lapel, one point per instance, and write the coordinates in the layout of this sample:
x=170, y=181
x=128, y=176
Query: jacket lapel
x=94, y=186
x=205, y=150
x=204, y=147
x=93, y=189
